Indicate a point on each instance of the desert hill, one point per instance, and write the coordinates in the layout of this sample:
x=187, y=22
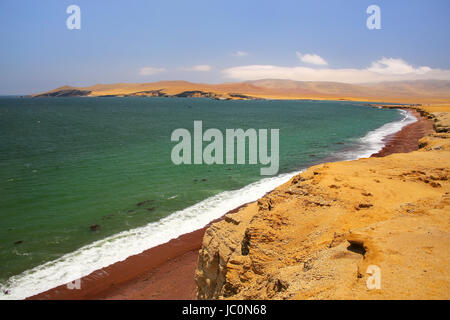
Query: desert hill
x=419, y=91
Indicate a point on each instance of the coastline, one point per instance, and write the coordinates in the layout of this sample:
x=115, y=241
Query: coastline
x=158, y=273
x=161, y=272
x=407, y=139
x=323, y=234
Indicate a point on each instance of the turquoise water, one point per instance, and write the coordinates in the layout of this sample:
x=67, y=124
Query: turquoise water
x=69, y=163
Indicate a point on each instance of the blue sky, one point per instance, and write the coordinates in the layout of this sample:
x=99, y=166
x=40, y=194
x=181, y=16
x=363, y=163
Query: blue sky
x=216, y=41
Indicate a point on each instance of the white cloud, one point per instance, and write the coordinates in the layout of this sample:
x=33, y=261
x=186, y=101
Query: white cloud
x=386, y=69
x=396, y=66
x=200, y=67
x=312, y=59
x=147, y=71
x=240, y=54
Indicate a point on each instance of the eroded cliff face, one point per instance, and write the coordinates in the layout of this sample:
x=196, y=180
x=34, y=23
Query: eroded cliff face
x=315, y=236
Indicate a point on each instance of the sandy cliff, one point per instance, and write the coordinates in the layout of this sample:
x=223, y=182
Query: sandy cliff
x=315, y=236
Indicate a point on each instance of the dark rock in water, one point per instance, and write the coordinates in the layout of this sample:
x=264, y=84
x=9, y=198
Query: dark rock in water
x=18, y=242
x=312, y=155
x=6, y=292
x=204, y=180
x=339, y=143
x=95, y=227
x=195, y=180
x=140, y=204
x=150, y=209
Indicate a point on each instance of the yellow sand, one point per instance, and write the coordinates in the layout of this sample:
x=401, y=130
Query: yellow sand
x=315, y=236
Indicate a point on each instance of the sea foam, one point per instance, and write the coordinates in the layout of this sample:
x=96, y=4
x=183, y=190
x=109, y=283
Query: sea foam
x=373, y=141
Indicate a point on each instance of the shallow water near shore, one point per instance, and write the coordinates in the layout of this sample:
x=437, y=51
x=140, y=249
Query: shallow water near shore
x=70, y=163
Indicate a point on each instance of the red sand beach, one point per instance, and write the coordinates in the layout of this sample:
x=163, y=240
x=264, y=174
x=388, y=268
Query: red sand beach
x=167, y=271
x=406, y=140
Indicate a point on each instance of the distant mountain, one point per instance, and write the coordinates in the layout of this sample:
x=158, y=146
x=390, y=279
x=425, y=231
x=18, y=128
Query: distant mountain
x=418, y=91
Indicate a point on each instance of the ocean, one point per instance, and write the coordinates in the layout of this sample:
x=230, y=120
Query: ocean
x=69, y=164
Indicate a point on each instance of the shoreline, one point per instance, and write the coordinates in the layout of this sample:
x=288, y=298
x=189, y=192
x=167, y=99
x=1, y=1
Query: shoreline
x=407, y=139
x=321, y=235
x=157, y=273
x=160, y=272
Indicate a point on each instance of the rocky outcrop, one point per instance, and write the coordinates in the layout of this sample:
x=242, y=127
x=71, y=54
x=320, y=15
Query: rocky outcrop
x=70, y=92
x=150, y=93
x=240, y=96
x=196, y=94
x=319, y=235
x=65, y=93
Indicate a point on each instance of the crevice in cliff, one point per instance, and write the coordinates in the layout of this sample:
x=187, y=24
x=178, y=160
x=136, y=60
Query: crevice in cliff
x=357, y=247
x=245, y=244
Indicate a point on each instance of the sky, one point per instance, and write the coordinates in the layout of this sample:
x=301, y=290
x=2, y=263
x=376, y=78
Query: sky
x=213, y=41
